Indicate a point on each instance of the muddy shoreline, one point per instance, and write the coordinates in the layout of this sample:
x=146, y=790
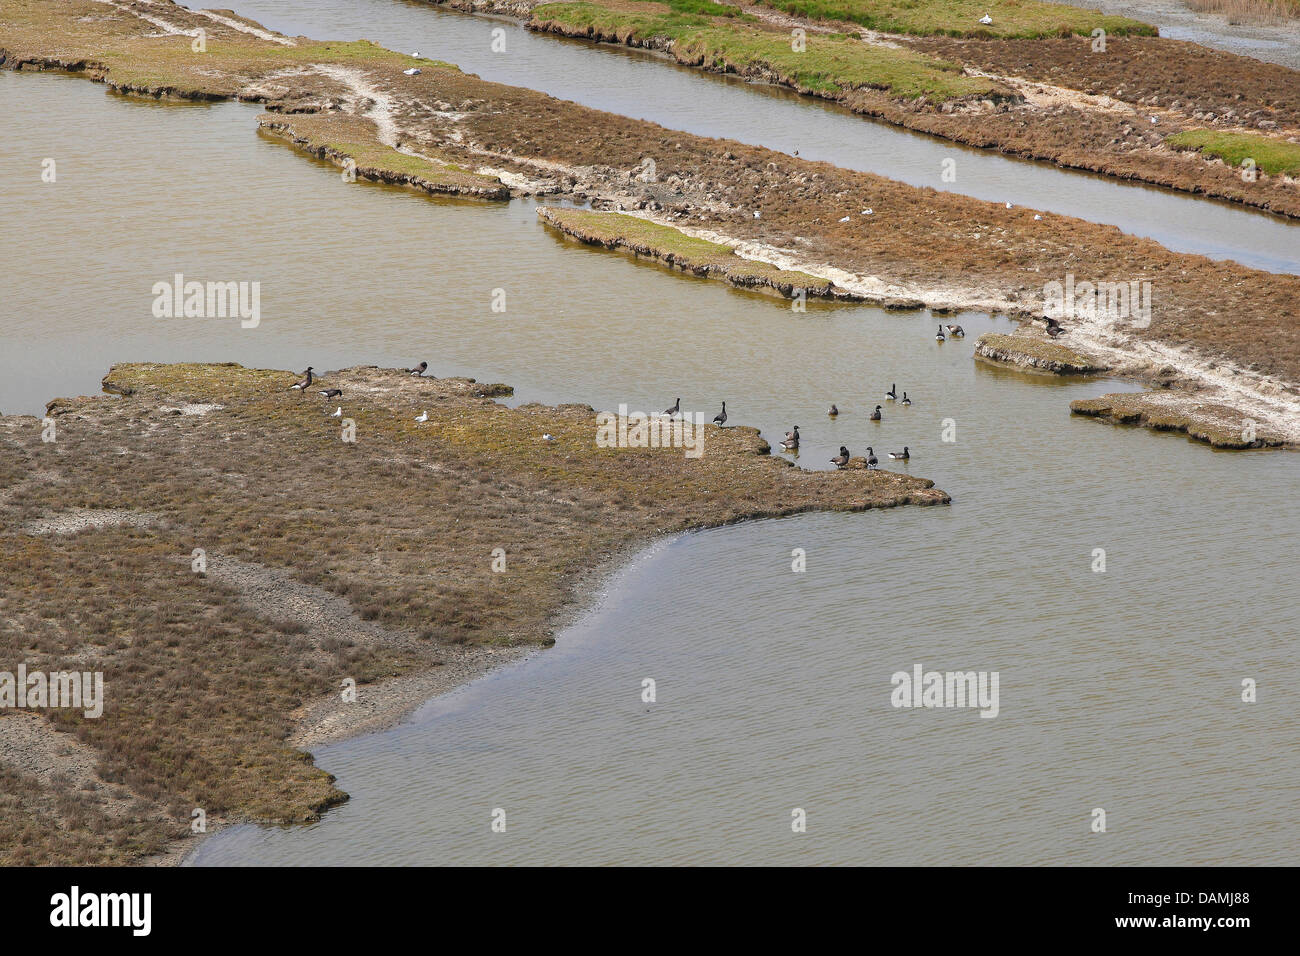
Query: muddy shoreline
x=869, y=236
x=271, y=612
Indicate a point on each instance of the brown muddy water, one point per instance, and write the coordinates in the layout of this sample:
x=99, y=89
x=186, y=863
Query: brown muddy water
x=640, y=84
x=1118, y=690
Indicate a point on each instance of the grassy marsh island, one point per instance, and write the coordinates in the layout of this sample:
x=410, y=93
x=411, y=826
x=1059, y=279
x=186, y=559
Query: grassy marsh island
x=1218, y=425
x=1035, y=352
x=325, y=560
x=871, y=237
x=1015, y=19
x=676, y=249
x=721, y=39
x=348, y=140
x=1029, y=84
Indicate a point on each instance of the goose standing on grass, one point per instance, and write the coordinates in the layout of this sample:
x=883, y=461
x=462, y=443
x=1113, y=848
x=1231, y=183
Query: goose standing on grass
x=901, y=455
x=871, y=458
x=906, y=400
x=842, y=459
x=677, y=407
x=956, y=331
x=791, y=442
x=419, y=369
x=422, y=417
x=892, y=393
x=332, y=392
x=721, y=418
x=832, y=411
x=938, y=336
x=305, y=384
x=875, y=416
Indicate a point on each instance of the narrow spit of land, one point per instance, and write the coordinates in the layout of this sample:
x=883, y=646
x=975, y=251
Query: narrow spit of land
x=1223, y=341
x=210, y=542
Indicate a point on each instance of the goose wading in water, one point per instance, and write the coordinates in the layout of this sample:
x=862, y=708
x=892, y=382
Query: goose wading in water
x=901, y=455
x=721, y=418
x=871, y=458
x=791, y=442
x=892, y=393
x=938, y=336
x=842, y=459
x=956, y=331
x=875, y=416
x=906, y=400
x=832, y=411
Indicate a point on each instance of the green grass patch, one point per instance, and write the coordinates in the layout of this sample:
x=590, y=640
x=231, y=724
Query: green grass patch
x=335, y=136
x=829, y=64
x=1011, y=18
x=615, y=230
x=1273, y=156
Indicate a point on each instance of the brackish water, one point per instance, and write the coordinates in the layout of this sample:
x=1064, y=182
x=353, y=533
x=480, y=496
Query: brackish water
x=1118, y=690
x=640, y=84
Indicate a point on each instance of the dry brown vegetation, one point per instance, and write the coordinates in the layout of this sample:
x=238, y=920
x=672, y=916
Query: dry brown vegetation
x=1023, y=110
x=941, y=248
x=202, y=685
x=1250, y=11
x=1207, y=421
x=1029, y=350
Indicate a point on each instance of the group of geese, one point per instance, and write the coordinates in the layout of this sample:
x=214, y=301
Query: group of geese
x=676, y=409
x=791, y=442
x=954, y=331
x=308, y=377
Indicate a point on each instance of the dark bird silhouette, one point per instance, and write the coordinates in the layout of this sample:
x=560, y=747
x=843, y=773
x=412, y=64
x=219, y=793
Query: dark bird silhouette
x=677, y=407
x=791, y=442
x=305, y=383
x=419, y=369
x=832, y=411
x=875, y=416
x=332, y=392
x=901, y=455
x=871, y=458
x=956, y=331
x=938, y=336
x=842, y=459
x=892, y=393
x=721, y=417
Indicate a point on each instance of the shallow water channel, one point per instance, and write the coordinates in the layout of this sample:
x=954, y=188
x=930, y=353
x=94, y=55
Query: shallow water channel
x=1118, y=690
